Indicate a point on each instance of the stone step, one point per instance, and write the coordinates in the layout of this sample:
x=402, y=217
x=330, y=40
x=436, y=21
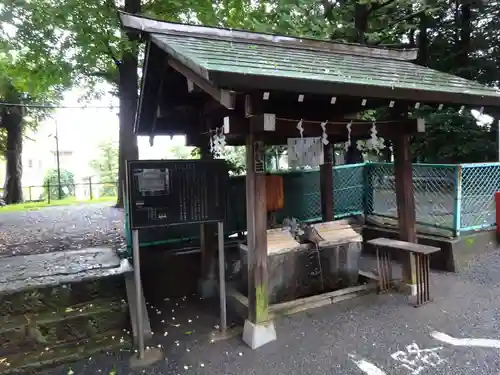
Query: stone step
x=58, y=353
x=52, y=298
x=36, y=331
x=74, y=332
x=60, y=307
x=108, y=305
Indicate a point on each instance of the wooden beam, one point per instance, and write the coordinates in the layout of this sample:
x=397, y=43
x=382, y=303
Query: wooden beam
x=151, y=87
x=213, y=108
x=338, y=128
x=305, y=106
x=405, y=200
x=326, y=183
x=195, y=140
x=358, y=91
x=258, y=294
x=225, y=97
x=173, y=122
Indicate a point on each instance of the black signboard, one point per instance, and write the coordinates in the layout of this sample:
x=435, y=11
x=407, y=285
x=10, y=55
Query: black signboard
x=173, y=192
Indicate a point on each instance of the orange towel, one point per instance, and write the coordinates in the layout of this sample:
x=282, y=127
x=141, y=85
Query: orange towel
x=274, y=193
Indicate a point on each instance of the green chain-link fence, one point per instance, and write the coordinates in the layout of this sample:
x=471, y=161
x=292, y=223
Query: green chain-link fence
x=476, y=198
x=451, y=197
x=302, y=196
x=348, y=190
x=434, y=188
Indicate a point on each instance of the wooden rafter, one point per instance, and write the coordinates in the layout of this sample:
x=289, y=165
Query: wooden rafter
x=225, y=97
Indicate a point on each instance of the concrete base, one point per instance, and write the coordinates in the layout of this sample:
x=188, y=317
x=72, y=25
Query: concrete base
x=257, y=335
x=228, y=334
x=132, y=303
x=207, y=288
x=407, y=289
x=151, y=356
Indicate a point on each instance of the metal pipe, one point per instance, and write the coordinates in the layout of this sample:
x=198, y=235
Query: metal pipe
x=138, y=293
x=222, y=278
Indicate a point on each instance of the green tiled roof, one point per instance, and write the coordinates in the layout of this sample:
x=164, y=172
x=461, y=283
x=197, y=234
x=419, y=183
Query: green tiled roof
x=240, y=57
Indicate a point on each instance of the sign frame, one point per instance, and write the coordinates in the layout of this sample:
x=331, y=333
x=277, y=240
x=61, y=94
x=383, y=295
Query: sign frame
x=218, y=169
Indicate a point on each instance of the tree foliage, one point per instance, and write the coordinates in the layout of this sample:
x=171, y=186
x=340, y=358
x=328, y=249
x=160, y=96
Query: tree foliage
x=233, y=155
x=51, y=184
x=60, y=43
x=105, y=165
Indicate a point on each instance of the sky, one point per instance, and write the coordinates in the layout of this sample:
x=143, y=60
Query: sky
x=85, y=128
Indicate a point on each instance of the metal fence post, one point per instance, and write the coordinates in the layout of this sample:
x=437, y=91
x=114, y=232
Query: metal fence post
x=29, y=192
x=90, y=189
x=48, y=192
x=457, y=204
x=367, y=189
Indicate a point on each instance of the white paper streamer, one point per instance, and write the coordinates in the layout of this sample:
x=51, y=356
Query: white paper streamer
x=324, y=136
x=300, y=128
x=348, y=143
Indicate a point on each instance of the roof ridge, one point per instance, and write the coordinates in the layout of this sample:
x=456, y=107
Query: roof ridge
x=154, y=26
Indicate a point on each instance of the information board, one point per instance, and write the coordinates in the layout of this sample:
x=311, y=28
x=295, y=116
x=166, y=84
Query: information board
x=173, y=192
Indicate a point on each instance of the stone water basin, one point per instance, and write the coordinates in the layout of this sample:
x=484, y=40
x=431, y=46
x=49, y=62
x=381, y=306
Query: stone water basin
x=293, y=268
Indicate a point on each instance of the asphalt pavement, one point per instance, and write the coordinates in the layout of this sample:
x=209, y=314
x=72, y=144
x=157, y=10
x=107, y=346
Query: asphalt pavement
x=373, y=335
x=458, y=333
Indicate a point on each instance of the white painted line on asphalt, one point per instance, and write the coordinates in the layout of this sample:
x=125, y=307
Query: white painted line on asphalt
x=470, y=342
x=367, y=367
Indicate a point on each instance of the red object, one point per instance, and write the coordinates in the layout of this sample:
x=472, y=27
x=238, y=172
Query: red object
x=497, y=206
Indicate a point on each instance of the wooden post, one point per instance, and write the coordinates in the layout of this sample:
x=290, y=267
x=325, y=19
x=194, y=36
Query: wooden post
x=258, y=297
x=208, y=232
x=326, y=183
x=405, y=200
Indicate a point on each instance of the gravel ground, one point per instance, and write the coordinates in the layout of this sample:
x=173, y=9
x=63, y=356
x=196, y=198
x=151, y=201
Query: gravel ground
x=60, y=228
x=381, y=331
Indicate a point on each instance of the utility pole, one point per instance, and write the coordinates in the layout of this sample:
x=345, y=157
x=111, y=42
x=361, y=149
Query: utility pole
x=59, y=189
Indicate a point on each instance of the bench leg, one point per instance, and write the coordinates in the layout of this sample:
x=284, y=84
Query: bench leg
x=422, y=274
x=384, y=269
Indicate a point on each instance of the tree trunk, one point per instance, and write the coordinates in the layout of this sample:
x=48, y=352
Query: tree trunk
x=353, y=155
x=12, y=121
x=423, y=40
x=464, y=47
x=127, y=93
x=360, y=21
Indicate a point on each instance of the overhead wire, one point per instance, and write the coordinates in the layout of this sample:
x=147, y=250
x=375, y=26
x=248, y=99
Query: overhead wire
x=53, y=106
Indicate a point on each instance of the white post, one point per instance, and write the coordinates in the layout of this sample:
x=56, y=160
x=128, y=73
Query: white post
x=222, y=278
x=498, y=136
x=138, y=293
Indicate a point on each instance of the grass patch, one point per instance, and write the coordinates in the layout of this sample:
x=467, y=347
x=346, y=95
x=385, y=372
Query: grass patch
x=33, y=206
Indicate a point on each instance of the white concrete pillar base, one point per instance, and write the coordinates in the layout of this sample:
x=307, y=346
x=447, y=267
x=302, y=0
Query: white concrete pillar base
x=408, y=289
x=257, y=335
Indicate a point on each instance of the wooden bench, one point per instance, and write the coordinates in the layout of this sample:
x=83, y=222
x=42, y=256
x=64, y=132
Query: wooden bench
x=422, y=261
